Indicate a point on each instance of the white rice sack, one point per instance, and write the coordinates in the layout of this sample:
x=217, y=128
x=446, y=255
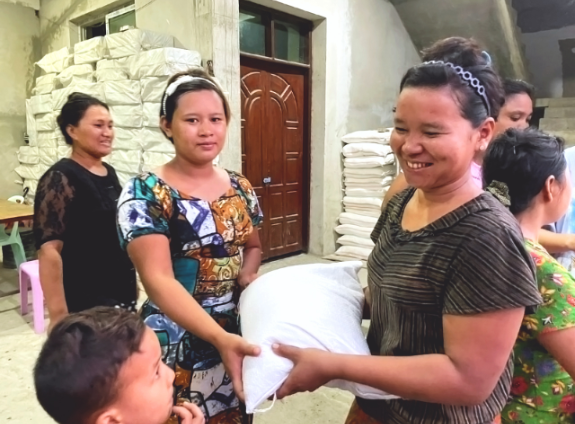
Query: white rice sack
x=380, y=171
x=130, y=116
x=45, y=122
x=153, y=140
x=353, y=230
x=126, y=160
x=64, y=151
x=46, y=79
x=355, y=150
x=122, y=92
x=133, y=41
x=368, y=137
x=124, y=177
x=31, y=172
x=153, y=160
x=60, y=97
x=152, y=114
x=354, y=252
x=366, y=192
x=28, y=155
x=76, y=74
x=373, y=181
x=55, y=62
x=127, y=138
x=368, y=161
x=370, y=212
x=45, y=84
x=163, y=62
x=89, y=51
x=328, y=317
x=32, y=186
x=355, y=241
x=41, y=104
x=363, y=202
x=104, y=75
x=48, y=155
x=122, y=64
x=153, y=89
x=359, y=220
x=50, y=139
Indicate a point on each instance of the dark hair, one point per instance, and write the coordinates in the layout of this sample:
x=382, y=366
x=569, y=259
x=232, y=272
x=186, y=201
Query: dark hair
x=467, y=54
x=77, y=371
x=74, y=110
x=515, y=86
x=203, y=82
x=524, y=160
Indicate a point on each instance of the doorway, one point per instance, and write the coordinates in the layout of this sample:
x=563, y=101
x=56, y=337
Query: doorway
x=275, y=125
x=567, y=48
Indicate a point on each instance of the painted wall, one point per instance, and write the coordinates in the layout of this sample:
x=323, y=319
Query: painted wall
x=545, y=61
x=19, y=49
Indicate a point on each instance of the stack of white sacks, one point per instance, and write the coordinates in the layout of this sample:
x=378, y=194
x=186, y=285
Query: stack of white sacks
x=369, y=169
x=128, y=71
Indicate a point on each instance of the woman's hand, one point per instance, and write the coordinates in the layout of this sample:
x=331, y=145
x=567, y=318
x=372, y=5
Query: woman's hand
x=245, y=279
x=189, y=413
x=233, y=349
x=312, y=369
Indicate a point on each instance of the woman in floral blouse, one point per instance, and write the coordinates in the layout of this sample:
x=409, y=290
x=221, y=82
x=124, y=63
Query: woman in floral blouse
x=533, y=175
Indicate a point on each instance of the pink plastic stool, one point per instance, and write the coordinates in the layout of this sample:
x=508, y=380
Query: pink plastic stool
x=30, y=278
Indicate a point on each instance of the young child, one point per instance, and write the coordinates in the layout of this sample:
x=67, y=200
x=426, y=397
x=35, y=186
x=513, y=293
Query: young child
x=104, y=366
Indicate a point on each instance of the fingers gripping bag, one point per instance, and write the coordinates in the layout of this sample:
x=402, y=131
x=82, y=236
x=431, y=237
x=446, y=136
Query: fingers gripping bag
x=308, y=306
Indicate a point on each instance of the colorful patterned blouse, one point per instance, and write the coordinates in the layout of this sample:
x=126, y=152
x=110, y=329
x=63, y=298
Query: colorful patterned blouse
x=206, y=245
x=542, y=391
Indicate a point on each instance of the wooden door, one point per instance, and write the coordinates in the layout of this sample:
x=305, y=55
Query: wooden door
x=274, y=104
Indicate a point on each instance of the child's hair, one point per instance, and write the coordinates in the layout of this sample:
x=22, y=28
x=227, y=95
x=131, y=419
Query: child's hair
x=74, y=110
x=523, y=160
x=200, y=80
x=516, y=86
x=76, y=374
x=460, y=64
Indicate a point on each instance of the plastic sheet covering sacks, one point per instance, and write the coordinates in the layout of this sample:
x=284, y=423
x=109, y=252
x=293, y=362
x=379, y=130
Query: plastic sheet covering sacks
x=310, y=306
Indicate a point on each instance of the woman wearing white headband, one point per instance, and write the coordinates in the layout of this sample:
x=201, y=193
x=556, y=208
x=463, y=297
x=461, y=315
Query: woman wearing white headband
x=189, y=228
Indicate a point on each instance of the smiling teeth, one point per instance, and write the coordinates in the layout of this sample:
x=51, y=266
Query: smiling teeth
x=416, y=165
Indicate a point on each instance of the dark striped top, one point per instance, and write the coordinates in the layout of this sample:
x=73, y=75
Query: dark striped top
x=470, y=261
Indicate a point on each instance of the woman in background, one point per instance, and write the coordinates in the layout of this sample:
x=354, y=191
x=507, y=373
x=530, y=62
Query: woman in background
x=81, y=262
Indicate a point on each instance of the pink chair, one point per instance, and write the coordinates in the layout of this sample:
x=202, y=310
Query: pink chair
x=30, y=278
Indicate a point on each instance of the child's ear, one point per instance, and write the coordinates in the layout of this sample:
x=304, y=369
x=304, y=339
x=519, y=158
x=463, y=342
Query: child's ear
x=109, y=416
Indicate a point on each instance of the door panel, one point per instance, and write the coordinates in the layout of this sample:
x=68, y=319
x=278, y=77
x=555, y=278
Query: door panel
x=273, y=109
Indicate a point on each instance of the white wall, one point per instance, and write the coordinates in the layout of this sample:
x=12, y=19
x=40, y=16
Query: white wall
x=19, y=49
x=545, y=61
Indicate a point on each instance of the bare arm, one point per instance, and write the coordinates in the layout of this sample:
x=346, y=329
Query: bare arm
x=151, y=257
x=252, y=259
x=397, y=186
x=556, y=242
x=560, y=345
x=475, y=357
x=51, y=280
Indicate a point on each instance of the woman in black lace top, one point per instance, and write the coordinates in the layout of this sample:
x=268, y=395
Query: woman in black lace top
x=81, y=262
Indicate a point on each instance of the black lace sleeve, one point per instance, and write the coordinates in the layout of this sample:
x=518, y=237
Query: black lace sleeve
x=52, y=202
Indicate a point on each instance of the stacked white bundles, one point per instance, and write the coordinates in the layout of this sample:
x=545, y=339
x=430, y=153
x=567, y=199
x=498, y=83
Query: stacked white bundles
x=46, y=84
x=76, y=74
x=369, y=169
x=129, y=43
x=112, y=69
x=90, y=51
x=163, y=62
x=56, y=62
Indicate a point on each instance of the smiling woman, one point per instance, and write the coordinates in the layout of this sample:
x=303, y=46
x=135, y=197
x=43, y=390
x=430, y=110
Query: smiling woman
x=448, y=264
x=81, y=262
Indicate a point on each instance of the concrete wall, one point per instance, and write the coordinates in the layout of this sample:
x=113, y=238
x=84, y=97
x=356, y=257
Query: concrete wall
x=19, y=49
x=545, y=61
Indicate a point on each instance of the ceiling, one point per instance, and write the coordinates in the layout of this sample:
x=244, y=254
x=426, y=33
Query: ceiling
x=544, y=15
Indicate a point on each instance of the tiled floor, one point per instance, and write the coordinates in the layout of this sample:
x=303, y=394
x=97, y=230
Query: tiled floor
x=19, y=346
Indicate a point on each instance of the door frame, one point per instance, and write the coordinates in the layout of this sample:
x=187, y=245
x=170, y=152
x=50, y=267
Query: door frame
x=268, y=63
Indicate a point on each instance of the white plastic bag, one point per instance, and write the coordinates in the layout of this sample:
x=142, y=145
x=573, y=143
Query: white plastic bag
x=309, y=306
x=153, y=89
x=122, y=92
x=55, y=62
x=76, y=74
x=129, y=116
x=127, y=138
x=152, y=114
x=89, y=51
x=28, y=155
x=130, y=42
x=163, y=62
x=153, y=140
x=46, y=122
x=41, y=104
x=368, y=137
